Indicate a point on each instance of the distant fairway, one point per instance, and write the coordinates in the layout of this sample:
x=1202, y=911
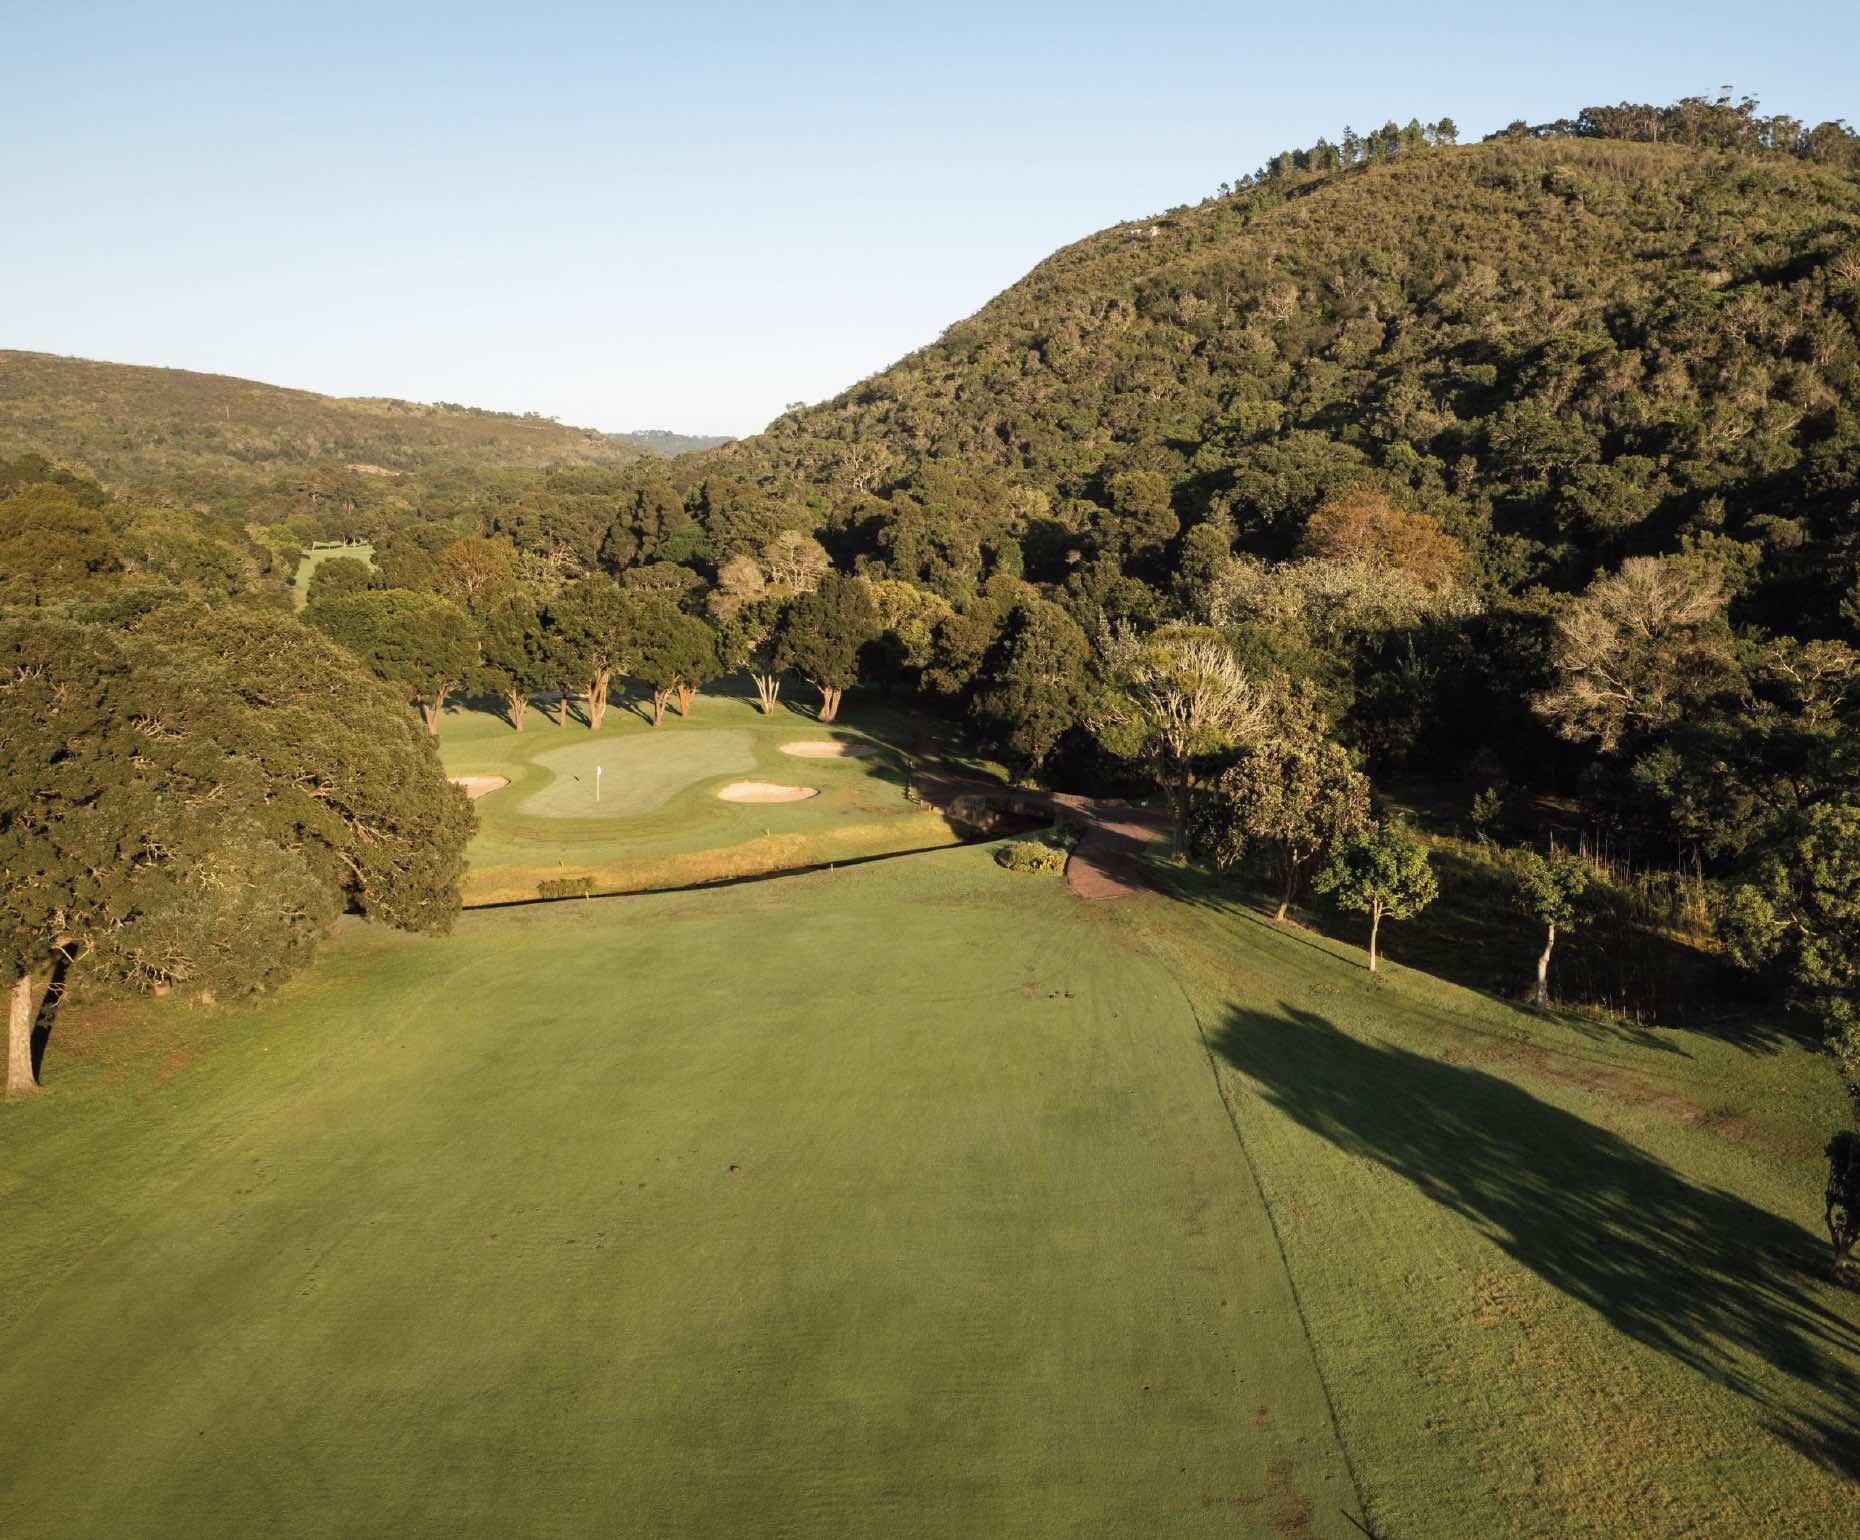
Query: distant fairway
x=638, y=774
x=306, y=568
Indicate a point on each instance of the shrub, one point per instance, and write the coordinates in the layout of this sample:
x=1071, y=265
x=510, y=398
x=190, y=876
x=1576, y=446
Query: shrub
x=1031, y=856
x=566, y=887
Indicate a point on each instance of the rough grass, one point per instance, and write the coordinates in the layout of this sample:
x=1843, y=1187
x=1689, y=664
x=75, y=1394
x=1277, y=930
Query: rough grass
x=659, y=823
x=1565, y=1275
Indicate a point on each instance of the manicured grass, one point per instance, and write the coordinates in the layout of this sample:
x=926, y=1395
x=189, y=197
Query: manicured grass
x=599, y=777
x=890, y=1201
x=659, y=822
x=1045, y=1218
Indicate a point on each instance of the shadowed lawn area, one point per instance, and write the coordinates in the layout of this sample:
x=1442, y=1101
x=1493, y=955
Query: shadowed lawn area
x=659, y=823
x=1562, y=1280
x=894, y=1201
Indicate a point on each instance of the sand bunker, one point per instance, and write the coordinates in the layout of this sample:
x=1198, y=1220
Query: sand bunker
x=477, y=786
x=829, y=748
x=765, y=791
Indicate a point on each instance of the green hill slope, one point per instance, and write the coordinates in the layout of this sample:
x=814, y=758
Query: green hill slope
x=170, y=429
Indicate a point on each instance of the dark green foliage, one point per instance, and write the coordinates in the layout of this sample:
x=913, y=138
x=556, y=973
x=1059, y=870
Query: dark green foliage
x=514, y=652
x=589, y=639
x=368, y=802
x=53, y=545
x=672, y=653
x=188, y=803
x=424, y=644
x=822, y=634
x=1798, y=911
x=1842, y=1199
x=338, y=577
x=1033, y=684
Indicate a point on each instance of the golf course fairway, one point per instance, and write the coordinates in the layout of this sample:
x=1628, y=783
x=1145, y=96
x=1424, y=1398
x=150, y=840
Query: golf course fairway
x=919, y=1198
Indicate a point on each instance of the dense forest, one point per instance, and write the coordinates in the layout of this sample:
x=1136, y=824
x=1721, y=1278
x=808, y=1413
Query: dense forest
x=1527, y=468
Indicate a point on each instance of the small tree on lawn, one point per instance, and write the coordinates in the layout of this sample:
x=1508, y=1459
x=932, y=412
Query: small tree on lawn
x=1383, y=873
x=513, y=652
x=423, y=643
x=1551, y=892
x=821, y=635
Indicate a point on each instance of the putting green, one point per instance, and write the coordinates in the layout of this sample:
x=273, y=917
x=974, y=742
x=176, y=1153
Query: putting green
x=637, y=774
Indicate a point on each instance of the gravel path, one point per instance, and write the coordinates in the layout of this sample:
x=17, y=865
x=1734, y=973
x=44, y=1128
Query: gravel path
x=1108, y=861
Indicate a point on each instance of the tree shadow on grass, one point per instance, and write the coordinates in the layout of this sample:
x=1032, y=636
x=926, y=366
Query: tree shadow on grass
x=1722, y=1286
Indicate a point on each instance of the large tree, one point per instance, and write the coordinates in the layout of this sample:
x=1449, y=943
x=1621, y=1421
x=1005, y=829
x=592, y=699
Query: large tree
x=673, y=653
x=821, y=636
x=1295, y=794
x=592, y=639
x=1034, y=682
x=424, y=644
x=1798, y=911
x=188, y=803
x=514, y=659
x=1179, y=700
x=749, y=637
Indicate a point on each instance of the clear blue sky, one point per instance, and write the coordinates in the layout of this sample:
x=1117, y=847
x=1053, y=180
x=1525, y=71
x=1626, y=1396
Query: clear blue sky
x=688, y=215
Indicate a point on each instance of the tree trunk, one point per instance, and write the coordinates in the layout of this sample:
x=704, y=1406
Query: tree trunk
x=1178, y=818
x=768, y=691
x=432, y=709
x=659, y=698
x=561, y=708
x=597, y=700
x=829, y=703
x=1288, y=885
x=19, y=1081
x=1543, y=971
x=1375, y=924
x=685, y=692
x=518, y=703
